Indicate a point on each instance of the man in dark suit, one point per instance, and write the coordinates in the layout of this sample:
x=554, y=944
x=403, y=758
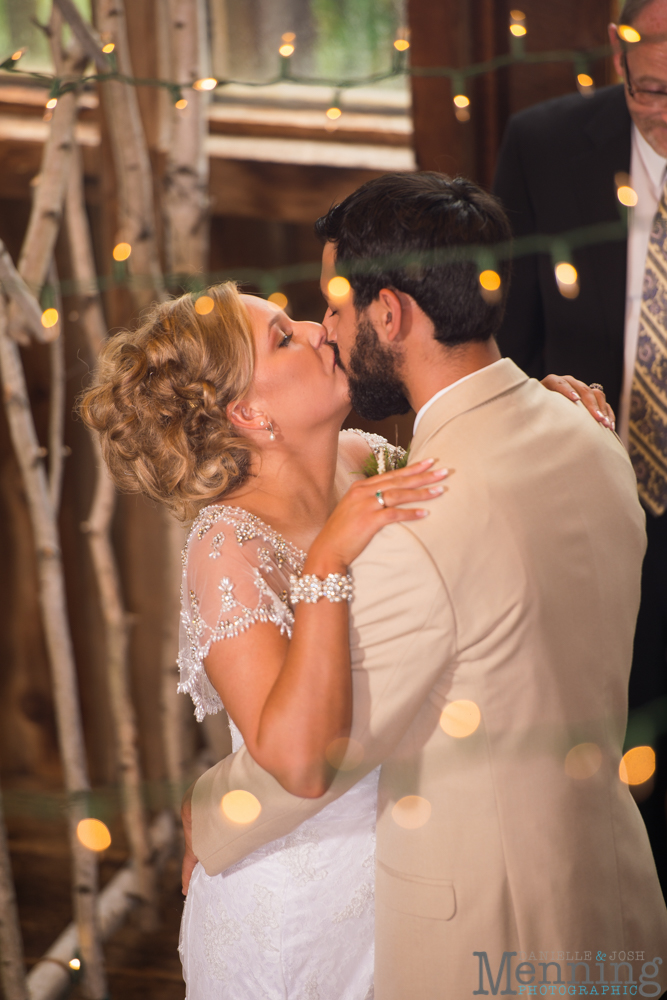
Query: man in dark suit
x=559, y=169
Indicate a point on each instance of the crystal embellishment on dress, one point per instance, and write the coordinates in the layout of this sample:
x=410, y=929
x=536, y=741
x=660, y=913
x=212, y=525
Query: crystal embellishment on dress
x=215, y=546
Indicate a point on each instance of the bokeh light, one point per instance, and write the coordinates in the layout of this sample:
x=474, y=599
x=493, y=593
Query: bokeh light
x=518, y=30
x=204, y=305
x=626, y=195
x=74, y=963
x=181, y=104
x=49, y=318
x=288, y=36
x=333, y=113
x=108, y=48
x=338, y=287
x=286, y=50
x=637, y=765
x=461, y=101
x=121, y=251
x=566, y=274
x=583, y=761
x=411, y=812
x=17, y=55
x=345, y=754
x=240, y=806
x=401, y=44
x=629, y=34
x=460, y=718
x=584, y=80
x=93, y=834
x=279, y=299
x=206, y=83
x=517, y=15
x=490, y=280
x=51, y=103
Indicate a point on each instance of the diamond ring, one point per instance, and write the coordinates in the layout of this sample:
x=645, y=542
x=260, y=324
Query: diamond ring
x=380, y=498
x=596, y=385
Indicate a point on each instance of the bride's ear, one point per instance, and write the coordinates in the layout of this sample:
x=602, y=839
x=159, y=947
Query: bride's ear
x=242, y=415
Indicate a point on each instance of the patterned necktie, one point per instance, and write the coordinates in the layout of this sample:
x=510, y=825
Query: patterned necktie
x=648, y=401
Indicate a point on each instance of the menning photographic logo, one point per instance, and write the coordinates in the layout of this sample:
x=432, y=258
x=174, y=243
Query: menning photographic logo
x=559, y=973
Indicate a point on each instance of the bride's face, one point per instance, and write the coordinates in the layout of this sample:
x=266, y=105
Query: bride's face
x=296, y=383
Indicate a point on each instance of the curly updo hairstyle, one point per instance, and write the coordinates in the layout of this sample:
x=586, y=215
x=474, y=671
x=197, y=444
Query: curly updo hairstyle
x=159, y=396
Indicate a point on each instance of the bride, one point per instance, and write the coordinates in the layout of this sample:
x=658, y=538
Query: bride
x=234, y=418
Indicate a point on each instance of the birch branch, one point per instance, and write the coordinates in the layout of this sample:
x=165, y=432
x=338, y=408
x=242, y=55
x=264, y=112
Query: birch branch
x=12, y=968
x=56, y=404
x=59, y=646
x=85, y=35
x=98, y=528
x=15, y=287
x=136, y=214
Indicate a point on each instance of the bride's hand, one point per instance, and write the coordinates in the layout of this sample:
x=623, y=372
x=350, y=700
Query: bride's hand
x=592, y=396
x=366, y=507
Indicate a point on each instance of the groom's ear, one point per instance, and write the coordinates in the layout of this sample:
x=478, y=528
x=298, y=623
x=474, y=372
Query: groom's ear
x=389, y=313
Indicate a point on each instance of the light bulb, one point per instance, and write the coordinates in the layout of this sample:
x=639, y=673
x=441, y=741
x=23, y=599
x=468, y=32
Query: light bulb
x=206, y=83
x=401, y=44
x=518, y=30
x=109, y=47
x=121, y=251
x=629, y=34
x=333, y=113
x=51, y=103
x=286, y=50
x=49, y=318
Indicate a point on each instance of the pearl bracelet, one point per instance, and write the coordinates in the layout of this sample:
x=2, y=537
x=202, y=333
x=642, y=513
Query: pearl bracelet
x=336, y=588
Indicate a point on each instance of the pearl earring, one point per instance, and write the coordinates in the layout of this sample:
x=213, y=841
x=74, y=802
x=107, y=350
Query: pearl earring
x=272, y=436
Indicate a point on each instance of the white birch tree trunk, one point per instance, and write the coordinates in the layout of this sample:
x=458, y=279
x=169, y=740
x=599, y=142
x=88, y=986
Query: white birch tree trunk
x=12, y=968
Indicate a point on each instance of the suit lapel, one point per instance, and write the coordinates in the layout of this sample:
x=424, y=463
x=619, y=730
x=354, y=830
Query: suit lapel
x=486, y=384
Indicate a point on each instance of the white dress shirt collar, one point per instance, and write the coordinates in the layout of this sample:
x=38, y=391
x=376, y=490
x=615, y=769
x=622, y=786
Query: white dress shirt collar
x=653, y=162
x=442, y=392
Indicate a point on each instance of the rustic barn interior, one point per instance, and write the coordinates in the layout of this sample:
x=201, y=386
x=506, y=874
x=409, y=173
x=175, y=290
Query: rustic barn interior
x=232, y=188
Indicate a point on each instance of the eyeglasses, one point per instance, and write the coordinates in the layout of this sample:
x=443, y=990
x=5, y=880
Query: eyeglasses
x=654, y=98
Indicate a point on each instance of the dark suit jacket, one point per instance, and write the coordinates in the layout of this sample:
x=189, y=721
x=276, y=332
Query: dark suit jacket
x=556, y=172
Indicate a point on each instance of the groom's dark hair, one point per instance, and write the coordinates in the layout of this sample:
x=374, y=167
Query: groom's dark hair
x=404, y=216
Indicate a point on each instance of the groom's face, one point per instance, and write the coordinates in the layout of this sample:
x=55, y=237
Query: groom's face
x=372, y=369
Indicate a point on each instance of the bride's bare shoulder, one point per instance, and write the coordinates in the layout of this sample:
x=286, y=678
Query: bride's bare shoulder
x=354, y=448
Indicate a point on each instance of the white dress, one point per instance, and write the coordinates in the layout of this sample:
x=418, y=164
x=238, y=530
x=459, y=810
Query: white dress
x=295, y=919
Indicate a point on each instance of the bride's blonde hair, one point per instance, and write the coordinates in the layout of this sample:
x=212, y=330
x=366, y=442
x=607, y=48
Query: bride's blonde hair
x=159, y=397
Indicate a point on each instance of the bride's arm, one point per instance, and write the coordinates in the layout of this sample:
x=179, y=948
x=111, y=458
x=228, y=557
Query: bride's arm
x=291, y=700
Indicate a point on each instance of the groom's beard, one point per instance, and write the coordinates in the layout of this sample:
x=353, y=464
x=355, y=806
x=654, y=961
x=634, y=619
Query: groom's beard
x=376, y=389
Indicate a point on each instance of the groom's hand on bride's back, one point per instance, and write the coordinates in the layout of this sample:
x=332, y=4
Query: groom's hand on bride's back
x=591, y=396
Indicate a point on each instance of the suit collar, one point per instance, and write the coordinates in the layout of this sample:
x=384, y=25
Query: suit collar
x=488, y=383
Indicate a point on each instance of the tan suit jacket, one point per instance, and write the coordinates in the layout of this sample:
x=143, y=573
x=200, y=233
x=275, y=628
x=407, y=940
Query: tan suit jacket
x=519, y=593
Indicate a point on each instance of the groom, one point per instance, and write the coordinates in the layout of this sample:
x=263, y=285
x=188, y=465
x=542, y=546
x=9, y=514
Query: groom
x=491, y=642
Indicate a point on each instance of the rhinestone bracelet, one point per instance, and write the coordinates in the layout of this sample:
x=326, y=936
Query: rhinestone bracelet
x=336, y=588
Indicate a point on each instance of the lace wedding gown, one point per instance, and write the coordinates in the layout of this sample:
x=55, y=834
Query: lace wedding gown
x=295, y=919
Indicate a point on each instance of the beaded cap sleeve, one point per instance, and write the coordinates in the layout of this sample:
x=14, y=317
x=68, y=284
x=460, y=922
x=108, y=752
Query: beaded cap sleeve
x=236, y=572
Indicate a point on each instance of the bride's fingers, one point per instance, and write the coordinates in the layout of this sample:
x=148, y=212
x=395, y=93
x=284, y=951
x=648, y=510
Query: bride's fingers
x=592, y=397
x=394, y=497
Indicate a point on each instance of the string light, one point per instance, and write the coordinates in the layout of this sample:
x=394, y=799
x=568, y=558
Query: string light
x=627, y=195
x=206, y=83
x=17, y=55
x=629, y=34
x=51, y=103
x=181, y=104
x=401, y=44
x=567, y=279
x=333, y=113
x=279, y=299
x=462, y=107
x=286, y=50
x=338, y=287
x=460, y=718
x=75, y=964
x=93, y=834
x=49, y=318
x=585, y=84
x=204, y=305
x=240, y=806
x=121, y=251
x=517, y=27
x=411, y=812
x=637, y=765
x=108, y=48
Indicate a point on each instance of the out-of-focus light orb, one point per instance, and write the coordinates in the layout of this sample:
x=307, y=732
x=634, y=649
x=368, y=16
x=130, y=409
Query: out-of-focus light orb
x=288, y=36
x=279, y=299
x=627, y=195
x=240, y=806
x=49, y=318
x=490, y=280
x=204, y=305
x=338, y=287
x=121, y=251
x=93, y=834
x=460, y=718
x=629, y=34
x=74, y=963
x=345, y=754
x=17, y=55
x=637, y=765
x=286, y=50
x=584, y=80
x=333, y=113
x=181, y=104
x=566, y=274
x=517, y=15
x=206, y=83
x=518, y=30
x=411, y=812
x=108, y=48
x=461, y=101
x=51, y=103
x=583, y=761
x=401, y=44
